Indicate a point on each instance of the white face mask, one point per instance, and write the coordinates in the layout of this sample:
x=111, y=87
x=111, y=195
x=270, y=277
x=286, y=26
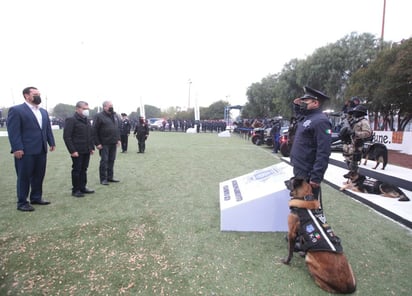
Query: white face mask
x=85, y=113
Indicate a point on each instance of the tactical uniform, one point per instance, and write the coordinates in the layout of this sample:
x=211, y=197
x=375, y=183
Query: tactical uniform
x=141, y=132
x=354, y=136
x=125, y=127
x=311, y=145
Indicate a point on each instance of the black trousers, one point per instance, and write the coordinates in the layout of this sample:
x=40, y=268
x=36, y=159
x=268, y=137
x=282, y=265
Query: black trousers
x=107, y=158
x=124, y=139
x=79, y=171
x=141, y=143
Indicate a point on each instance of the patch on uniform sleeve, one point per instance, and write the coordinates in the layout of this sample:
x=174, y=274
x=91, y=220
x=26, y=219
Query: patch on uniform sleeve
x=328, y=131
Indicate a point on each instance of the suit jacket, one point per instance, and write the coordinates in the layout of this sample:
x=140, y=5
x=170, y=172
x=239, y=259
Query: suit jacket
x=25, y=133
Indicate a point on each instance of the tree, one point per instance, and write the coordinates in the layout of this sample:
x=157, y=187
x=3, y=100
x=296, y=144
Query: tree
x=62, y=111
x=215, y=111
x=328, y=69
x=151, y=111
x=386, y=84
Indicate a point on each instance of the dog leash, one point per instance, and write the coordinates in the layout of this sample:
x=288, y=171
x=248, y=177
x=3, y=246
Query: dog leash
x=320, y=197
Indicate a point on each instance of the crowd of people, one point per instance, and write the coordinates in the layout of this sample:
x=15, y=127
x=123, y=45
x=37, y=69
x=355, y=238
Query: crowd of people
x=31, y=136
x=182, y=125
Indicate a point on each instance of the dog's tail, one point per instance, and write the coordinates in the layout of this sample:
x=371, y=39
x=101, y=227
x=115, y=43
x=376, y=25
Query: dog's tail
x=402, y=196
x=392, y=191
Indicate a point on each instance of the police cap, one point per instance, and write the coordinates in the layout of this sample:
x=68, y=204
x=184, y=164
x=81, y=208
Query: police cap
x=311, y=93
x=124, y=114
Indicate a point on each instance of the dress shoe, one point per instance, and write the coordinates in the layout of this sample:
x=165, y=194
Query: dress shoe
x=77, y=194
x=25, y=208
x=87, y=191
x=104, y=182
x=41, y=202
x=113, y=180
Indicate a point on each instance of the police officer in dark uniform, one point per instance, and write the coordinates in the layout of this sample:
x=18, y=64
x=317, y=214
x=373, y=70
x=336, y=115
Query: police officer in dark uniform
x=141, y=132
x=125, y=127
x=311, y=146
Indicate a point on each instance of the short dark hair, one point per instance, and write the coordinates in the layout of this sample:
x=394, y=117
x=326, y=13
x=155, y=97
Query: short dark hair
x=80, y=104
x=27, y=90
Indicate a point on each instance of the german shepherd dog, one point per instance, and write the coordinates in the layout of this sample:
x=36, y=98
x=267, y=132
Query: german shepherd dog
x=377, y=152
x=329, y=268
x=360, y=183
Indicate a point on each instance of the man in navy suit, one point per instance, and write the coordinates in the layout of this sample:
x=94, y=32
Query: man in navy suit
x=29, y=131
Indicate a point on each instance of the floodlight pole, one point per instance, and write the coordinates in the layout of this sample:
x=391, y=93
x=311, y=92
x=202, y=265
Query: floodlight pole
x=383, y=23
x=188, y=102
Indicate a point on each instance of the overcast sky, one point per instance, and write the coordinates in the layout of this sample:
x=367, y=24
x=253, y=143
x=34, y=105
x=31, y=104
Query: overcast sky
x=127, y=51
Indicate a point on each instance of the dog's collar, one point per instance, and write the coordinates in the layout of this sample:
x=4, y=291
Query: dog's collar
x=308, y=197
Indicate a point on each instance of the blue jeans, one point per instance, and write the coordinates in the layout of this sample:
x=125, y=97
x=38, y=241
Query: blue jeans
x=276, y=147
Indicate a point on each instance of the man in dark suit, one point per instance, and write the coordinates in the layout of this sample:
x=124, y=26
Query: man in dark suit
x=29, y=131
x=77, y=136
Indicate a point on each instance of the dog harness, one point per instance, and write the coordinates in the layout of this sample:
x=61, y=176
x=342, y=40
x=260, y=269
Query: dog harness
x=371, y=185
x=314, y=233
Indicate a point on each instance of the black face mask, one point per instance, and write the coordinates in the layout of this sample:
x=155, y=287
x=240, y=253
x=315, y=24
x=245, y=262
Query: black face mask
x=303, y=106
x=111, y=110
x=36, y=100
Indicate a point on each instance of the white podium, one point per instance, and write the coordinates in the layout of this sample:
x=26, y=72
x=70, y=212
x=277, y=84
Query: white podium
x=257, y=201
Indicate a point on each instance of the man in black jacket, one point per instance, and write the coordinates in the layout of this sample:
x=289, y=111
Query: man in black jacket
x=106, y=138
x=141, y=132
x=311, y=145
x=77, y=136
x=125, y=127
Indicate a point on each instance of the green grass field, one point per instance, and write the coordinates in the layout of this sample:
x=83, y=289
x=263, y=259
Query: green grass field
x=158, y=231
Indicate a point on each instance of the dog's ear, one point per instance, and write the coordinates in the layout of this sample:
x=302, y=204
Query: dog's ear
x=348, y=175
x=289, y=184
x=297, y=182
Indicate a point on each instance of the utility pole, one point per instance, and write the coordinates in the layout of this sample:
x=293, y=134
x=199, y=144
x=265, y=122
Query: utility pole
x=188, y=103
x=383, y=23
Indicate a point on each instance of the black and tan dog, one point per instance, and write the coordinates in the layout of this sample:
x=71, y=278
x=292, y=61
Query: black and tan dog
x=323, y=253
x=377, y=152
x=361, y=183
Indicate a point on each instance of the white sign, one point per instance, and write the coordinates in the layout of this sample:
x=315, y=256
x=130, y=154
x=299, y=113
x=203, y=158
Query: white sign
x=257, y=201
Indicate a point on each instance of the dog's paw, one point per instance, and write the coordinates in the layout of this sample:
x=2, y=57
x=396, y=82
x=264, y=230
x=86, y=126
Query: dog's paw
x=285, y=261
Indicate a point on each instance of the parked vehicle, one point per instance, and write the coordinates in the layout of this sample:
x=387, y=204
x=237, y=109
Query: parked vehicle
x=286, y=140
x=155, y=124
x=261, y=135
